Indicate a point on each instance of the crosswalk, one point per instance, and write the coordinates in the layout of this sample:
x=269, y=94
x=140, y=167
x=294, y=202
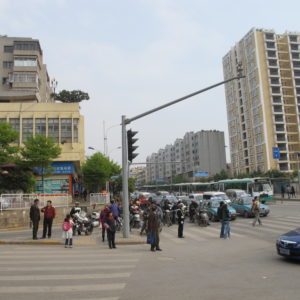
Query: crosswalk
x=240, y=229
x=53, y=272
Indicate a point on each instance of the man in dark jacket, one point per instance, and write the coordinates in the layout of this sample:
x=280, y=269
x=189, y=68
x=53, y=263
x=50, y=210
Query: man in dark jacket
x=35, y=218
x=180, y=218
x=219, y=213
x=153, y=228
x=49, y=215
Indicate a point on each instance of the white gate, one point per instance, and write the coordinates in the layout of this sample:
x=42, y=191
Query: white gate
x=22, y=201
x=98, y=198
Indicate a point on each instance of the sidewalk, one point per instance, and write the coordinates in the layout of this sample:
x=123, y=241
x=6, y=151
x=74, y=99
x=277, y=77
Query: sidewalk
x=23, y=237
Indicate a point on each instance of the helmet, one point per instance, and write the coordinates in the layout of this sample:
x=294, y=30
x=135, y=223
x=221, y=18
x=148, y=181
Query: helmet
x=137, y=202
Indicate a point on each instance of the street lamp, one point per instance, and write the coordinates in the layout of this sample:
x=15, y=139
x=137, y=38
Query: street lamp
x=105, y=132
x=113, y=150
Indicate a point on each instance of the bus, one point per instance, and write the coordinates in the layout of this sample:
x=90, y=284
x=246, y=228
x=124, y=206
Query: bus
x=260, y=187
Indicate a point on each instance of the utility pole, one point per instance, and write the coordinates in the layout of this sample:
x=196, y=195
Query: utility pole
x=124, y=122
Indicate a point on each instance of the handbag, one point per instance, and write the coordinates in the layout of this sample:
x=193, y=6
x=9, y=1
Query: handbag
x=106, y=226
x=150, y=238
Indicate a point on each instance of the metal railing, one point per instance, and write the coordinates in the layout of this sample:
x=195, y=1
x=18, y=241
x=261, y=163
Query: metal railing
x=24, y=201
x=98, y=198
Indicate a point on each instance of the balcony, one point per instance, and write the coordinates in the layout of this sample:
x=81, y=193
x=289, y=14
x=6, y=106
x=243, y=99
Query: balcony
x=283, y=157
x=282, y=147
x=279, y=128
x=277, y=108
x=278, y=119
x=283, y=166
x=280, y=137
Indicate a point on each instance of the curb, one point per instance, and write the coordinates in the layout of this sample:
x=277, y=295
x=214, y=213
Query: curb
x=3, y=242
x=47, y=243
x=14, y=229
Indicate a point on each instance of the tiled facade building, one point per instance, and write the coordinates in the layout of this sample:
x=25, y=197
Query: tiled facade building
x=203, y=151
x=263, y=109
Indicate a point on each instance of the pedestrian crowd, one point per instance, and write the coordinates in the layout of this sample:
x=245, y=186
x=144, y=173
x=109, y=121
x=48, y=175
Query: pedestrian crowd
x=153, y=216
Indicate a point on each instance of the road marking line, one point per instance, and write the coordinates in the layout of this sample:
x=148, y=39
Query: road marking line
x=194, y=237
x=256, y=229
x=67, y=268
x=173, y=239
x=57, y=262
x=63, y=277
x=61, y=289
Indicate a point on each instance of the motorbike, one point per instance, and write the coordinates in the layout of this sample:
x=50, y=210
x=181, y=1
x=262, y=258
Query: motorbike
x=202, y=217
x=192, y=214
x=135, y=219
x=167, y=218
x=119, y=223
x=82, y=223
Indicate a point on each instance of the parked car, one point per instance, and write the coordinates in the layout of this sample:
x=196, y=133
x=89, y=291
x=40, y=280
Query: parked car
x=212, y=206
x=243, y=204
x=288, y=244
x=221, y=195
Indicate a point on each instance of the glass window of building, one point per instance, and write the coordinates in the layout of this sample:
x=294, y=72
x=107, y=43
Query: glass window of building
x=2, y=120
x=40, y=126
x=15, y=123
x=66, y=130
x=24, y=77
x=8, y=49
x=25, y=62
x=8, y=64
x=75, y=130
x=53, y=129
x=27, y=129
x=27, y=46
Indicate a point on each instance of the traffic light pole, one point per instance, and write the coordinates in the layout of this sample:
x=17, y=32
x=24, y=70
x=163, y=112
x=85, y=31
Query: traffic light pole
x=125, y=168
x=125, y=201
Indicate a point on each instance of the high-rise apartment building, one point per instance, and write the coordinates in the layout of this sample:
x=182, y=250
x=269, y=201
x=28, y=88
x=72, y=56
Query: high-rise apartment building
x=23, y=74
x=263, y=109
x=202, y=151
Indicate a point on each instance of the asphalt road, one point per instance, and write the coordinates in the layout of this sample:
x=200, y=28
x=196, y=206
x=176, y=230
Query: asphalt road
x=201, y=266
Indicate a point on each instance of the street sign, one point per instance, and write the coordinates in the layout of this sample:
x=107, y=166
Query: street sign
x=159, y=180
x=276, y=152
x=201, y=174
x=114, y=177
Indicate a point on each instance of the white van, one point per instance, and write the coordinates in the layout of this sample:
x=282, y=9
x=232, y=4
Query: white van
x=223, y=196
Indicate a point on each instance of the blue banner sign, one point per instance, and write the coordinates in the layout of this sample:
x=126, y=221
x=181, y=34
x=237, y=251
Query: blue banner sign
x=159, y=180
x=60, y=168
x=276, y=152
x=201, y=174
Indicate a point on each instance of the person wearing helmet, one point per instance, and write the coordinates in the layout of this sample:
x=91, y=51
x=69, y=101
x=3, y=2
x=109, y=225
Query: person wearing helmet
x=192, y=210
x=180, y=218
x=75, y=209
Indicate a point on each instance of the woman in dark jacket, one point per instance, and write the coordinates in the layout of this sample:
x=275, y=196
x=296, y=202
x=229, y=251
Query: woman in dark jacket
x=226, y=220
x=111, y=230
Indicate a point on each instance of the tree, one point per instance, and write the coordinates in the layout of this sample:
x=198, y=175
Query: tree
x=118, y=185
x=39, y=152
x=221, y=176
x=274, y=173
x=97, y=170
x=7, y=137
x=71, y=96
x=17, y=179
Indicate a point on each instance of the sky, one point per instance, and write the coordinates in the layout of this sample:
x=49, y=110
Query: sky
x=134, y=55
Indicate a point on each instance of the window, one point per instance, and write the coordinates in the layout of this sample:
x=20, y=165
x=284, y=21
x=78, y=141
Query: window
x=2, y=120
x=15, y=123
x=277, y=108
x=273, y=71
x=272, y=62
x=66, y=130
x=24, y=77
x=294, y=47
x=296, y=64
x=297, y=73
x=8, y=49
x=5, y=80
x=53, y=129
x=296, y=55
x=269, y=36
x=271, y=53
x=297, y=81
x=278, y=118
x=27, y=129
x=40, y=126
x=8, y=65
x=275, y=80
x=25, y=62
x=293, y=38
x=275, y=89
x=75, y=130
x=276, y=99
x=270, y=45
x=27, y=46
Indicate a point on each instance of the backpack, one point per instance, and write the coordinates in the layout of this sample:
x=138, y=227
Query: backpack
x=66, y=226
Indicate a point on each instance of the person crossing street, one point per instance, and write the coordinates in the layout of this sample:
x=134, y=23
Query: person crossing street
x=49, y=215
x=255, y=209
x=180, y=218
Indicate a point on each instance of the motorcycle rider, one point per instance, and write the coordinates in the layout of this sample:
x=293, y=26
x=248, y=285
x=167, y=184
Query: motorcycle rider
x=114, y=209
x=174, y=209
x=166, y=210
x=145, y=219
x=76, y=209
x=192, y=210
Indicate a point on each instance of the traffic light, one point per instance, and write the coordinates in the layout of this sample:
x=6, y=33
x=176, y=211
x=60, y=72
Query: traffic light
x=131, y=147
